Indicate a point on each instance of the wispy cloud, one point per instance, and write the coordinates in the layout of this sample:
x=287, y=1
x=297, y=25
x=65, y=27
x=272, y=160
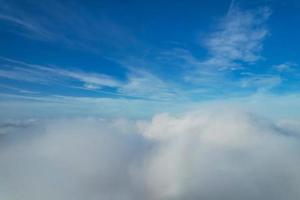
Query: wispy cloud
x=234, y=44
x=261, y=82
x=17, y=70
x=90, y=80
x=144, y=84
x=139, y=83
x=67, y=23
x=25, y=25
x=285, y=67
x=17, y=89
x=238, y=38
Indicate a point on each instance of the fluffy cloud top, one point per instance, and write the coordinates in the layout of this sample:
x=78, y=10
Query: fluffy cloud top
x=208, y=155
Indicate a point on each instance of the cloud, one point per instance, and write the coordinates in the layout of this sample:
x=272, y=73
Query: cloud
x=17, y=70
x=140, y=83
x=67, y=23
x=234, y=45
x=25, y=25
x=144, y=84
x=238, y=38
x=211, y=154
x=222, y=156
x=285, y=67
x=17, y=89
x=88, y=78
x=12, y=126
x=261, y=82
x=66, y=161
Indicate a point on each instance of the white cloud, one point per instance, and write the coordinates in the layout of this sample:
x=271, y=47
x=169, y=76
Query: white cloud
x=17, y=70
x=212, y=154
x=234, y=44
x=238, y=38
x=261, y=82
x=140, y=84
x=17, y=89
x=26, y=24
x=66, y=23
x=222, y=156
x=285, y=67
x=70, y=159
x=88, y=78
x=144, y=84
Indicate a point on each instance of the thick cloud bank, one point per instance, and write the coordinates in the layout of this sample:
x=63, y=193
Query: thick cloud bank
x=214, y=155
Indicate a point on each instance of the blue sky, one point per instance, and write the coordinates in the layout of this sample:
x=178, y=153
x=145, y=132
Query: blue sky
x=135, y=58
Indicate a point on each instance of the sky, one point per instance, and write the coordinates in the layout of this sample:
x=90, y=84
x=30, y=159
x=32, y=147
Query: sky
x=138, y=58
x=151, y=100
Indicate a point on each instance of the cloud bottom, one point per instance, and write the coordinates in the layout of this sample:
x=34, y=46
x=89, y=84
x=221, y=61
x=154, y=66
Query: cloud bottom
x=209, y=155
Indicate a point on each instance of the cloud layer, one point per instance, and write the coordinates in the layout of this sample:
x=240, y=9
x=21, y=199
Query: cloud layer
x=210, y=155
